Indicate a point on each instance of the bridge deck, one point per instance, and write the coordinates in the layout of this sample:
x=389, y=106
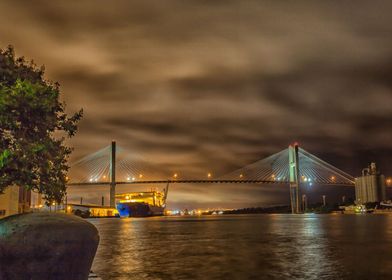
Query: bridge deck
x=198, y=181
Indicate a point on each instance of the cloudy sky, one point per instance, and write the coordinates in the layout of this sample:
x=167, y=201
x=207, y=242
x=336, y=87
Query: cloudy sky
x=209, y=86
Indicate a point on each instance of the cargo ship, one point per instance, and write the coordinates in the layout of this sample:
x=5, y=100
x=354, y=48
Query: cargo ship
x=142, y=204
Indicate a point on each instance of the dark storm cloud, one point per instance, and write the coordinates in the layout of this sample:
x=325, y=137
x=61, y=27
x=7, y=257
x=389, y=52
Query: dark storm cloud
x=198, y=86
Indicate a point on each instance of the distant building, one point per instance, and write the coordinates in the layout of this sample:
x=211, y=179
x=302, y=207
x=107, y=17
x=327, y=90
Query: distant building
x=15, y=200
x=36, y=201
x=85, y=210
x=370, y=187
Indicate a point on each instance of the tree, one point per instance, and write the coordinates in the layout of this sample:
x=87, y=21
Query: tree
x=33, y=129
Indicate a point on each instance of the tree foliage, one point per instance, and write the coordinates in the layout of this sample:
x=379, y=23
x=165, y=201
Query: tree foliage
x=33, y=129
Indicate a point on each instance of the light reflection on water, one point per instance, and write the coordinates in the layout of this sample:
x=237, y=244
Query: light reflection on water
x=246, y=247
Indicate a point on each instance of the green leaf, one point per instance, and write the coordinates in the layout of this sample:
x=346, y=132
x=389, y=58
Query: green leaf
x=4, y=156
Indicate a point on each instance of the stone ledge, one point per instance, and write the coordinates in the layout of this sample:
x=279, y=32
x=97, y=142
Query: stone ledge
x=40, y=246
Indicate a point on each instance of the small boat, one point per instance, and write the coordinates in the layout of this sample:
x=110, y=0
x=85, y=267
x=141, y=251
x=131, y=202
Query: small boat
x=386, y=204
x=142, y=204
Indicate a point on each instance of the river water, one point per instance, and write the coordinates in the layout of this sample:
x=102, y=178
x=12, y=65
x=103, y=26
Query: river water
x=246, y=247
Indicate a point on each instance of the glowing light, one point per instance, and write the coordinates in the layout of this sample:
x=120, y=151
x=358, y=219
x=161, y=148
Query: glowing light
x=128, y=178
x=96, y=180
x=127, y=197
x=91, y=179
x=104, y=176
x=66, y=178
x=389, y=181
x=175, y=175
x=140, y=176
x=133, y=178
x=209, y=175
x=53, y=203
x=333, y=178
x=241, y=176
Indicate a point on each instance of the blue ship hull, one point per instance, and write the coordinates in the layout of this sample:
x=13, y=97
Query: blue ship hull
x=137, y=209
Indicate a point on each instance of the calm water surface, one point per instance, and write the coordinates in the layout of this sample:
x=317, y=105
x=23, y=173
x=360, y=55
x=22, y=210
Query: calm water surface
x=246, y=247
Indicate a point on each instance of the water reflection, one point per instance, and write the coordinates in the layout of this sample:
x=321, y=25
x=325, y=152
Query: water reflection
x=245, y=247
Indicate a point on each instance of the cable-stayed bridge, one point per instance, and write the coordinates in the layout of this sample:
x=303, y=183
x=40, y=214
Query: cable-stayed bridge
x=292, y=166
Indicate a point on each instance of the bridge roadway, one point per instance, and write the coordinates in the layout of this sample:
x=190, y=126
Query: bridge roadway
x=210, y=181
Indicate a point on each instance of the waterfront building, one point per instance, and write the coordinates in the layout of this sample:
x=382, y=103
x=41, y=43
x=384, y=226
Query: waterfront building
x=370, y=187
x=83, y=210
x=91, y=210
x=14, y=200
x=36, y=201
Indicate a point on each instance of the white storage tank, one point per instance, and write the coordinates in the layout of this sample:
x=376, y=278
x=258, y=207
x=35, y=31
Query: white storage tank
x=370, y=187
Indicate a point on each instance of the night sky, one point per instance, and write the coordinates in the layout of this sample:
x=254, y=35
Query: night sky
x=210, y=86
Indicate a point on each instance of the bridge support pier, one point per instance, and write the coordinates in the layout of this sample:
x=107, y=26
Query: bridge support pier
x=112, y=171
x=294, y=179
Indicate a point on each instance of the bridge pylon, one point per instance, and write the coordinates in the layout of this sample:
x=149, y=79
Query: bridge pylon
x=294, y=178
x=112, y=173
